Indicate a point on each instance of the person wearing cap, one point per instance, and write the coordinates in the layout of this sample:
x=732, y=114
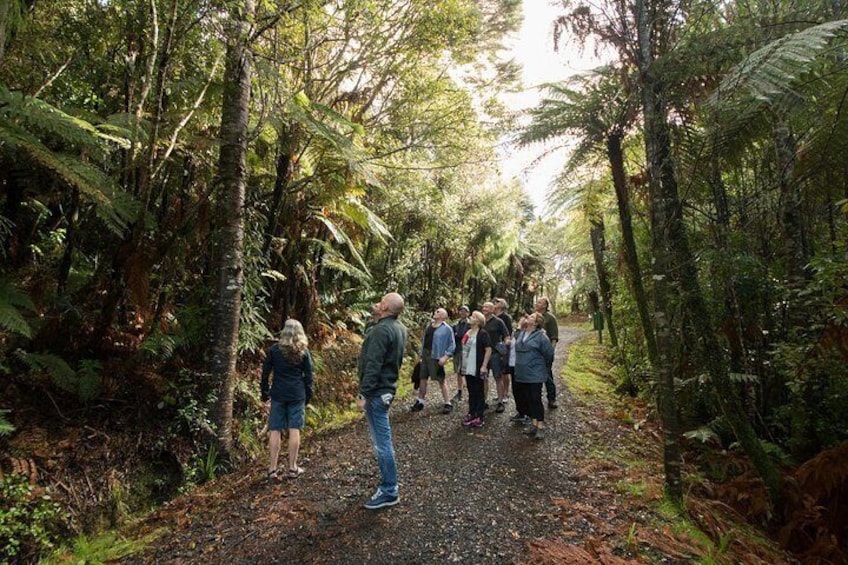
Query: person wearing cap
x=459, y=330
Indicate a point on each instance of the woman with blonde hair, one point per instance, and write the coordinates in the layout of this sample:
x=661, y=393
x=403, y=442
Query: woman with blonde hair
x=476, y=352
x=288, y=363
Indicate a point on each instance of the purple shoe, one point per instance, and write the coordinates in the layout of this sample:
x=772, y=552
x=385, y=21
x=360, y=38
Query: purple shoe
x=476, y=423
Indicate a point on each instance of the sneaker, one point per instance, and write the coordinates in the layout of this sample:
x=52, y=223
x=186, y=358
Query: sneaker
x=500, y=408
x=381, y=500
x=476, y=423
x=447, y=408
x=552, y=405
x=530, y=430
x=518, y=418
x=540, y=433
x=417, y=407
x=457, y=397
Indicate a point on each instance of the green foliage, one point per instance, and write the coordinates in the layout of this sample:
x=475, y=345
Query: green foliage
x=6, y=428
x=29, y=520
x=29, y=125
x=95, y=550
x=12, y=301
x=83, y=382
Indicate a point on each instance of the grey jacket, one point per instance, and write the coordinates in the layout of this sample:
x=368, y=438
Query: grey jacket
x=381, y=357
x=533, y=356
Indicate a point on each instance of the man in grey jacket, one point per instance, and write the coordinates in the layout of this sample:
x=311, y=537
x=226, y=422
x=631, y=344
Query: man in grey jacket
x=379, y=367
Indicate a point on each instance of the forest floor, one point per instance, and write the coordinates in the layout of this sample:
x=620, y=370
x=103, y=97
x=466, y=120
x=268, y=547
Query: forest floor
x=590, y=492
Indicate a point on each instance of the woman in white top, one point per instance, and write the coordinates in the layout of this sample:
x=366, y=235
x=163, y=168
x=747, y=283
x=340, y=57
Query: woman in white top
x=476, y=351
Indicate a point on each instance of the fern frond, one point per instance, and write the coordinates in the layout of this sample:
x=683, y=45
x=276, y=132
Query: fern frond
x=12, y=300
x=772, y=70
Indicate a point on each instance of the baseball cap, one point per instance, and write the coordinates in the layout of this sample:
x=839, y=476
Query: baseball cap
x=464, y=307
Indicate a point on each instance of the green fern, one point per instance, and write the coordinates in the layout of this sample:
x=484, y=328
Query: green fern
x=6, y=428
x=27, y=123
x=12, y=301
x=85, y=383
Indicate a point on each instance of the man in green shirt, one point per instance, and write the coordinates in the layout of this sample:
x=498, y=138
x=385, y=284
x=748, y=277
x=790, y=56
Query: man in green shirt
x=551, y=328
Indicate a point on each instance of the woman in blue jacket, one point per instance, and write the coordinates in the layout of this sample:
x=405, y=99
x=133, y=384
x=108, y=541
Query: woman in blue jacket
x=533, y=355
x=289, y=389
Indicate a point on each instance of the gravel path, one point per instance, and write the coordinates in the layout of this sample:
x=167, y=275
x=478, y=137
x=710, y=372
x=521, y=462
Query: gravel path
x=467, y=496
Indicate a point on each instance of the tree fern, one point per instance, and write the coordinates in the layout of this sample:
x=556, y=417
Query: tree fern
x=28, y=124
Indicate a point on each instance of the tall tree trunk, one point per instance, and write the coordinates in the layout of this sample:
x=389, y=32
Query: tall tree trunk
x=656, y=149
x=598, y=246
x=229, y=238
x=674, y=263
x=616, y=159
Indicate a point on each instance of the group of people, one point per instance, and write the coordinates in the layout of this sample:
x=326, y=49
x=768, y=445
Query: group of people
x=481, y=344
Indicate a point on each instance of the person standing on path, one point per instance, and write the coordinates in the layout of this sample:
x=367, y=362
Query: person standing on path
x=379, y=366
x=500, y=338
x=287, y=385
x=551, y=328
x=459, y=330
x=500, y=305
x=476, y=354
x=437, y=348
x=534, y=355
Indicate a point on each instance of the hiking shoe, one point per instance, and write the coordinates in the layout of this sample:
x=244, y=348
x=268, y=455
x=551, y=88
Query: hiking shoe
x=457, y=397
x=476, y=423
x=447, y=408
x=381, y=500
x=467, y=420
x=417, y=407
x=530, y=430
x=552, y=405
x=520, y=419
x=540, y=433
x=500, y=408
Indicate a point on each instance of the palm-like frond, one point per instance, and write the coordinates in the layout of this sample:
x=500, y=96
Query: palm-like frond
x=769, y=80
x=26, y=124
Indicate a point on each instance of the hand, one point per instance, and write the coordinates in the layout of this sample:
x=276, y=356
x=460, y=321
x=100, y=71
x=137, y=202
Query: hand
x=360, y=403
x=443, y=360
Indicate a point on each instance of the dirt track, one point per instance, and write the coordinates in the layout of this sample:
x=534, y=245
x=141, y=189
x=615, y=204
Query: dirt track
x=466, y=496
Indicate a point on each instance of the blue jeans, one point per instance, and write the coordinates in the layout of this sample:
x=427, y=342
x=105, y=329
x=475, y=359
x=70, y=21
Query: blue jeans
x=377, y=414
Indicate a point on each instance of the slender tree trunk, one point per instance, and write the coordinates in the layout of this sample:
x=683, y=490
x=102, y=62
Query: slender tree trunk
x=231, y=182
x=598, y=246
x=631, y=257
x=657, y=152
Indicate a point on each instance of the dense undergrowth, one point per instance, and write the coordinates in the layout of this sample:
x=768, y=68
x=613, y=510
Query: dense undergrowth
x=727, y=516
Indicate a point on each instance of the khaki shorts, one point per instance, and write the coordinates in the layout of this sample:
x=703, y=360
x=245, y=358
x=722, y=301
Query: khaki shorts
x=430, y=368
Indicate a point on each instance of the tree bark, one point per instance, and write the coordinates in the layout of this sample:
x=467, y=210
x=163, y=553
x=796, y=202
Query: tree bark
x=631, y=257
x=229, y=239
x=598, y=246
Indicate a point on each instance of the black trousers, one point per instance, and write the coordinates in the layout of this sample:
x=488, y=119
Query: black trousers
x=550, y=385
x=531, y=400
x=476, y=402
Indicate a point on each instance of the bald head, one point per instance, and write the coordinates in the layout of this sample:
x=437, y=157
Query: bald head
x=440, y=315
x=392, y=304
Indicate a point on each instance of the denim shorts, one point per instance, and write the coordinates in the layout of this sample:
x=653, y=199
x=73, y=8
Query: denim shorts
x=496, y=364
x=287, y=415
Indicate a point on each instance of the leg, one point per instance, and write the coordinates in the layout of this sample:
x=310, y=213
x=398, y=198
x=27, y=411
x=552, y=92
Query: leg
x=550, y=387
x=274, y=449
x=377, y=415
x=294, y=447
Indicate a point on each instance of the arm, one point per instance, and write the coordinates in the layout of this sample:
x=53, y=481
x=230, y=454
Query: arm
x=264, y=389
x=308, y=375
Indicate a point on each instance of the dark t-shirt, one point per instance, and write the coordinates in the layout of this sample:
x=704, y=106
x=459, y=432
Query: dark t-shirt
x=496, y=329
x=428, y=337
x=507, y=320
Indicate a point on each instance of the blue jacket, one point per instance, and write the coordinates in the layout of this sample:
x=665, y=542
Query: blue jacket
x=292, y=381
x=381, y=357
x=533, y=356
x=443, y=342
